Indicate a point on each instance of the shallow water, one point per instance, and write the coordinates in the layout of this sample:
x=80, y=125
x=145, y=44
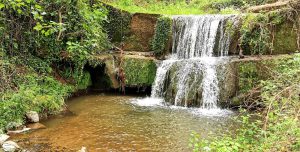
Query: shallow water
x=116, y=123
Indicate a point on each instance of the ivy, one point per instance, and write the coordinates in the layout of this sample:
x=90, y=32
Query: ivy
x=162, y=35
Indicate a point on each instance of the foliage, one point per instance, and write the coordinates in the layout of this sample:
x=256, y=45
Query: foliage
x=162, y=35
x=36, y=39
x=248, y=77
x=258, y=31
x=85, y=81
x=54, y=31
x=118, y=24
x=277, y=127
x=35, y=92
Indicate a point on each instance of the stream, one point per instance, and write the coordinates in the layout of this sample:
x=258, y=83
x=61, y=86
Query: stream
x=112, y=123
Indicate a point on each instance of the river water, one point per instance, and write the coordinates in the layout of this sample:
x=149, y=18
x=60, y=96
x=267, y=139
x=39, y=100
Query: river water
x=113, y=123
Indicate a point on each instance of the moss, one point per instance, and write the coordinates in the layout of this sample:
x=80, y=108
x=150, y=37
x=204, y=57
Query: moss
x=285, y=40
x=162, y=35
x=139, y=71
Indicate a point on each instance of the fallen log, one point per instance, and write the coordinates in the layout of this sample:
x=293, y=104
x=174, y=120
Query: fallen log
x=268, y=7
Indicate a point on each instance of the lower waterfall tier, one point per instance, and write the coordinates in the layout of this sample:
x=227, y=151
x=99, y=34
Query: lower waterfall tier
x=199, y=82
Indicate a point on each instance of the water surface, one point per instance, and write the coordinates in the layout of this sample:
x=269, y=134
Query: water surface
x=113, y=123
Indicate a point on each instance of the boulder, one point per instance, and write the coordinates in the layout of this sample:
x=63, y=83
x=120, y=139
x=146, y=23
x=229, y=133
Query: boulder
x=32, y=116
x=10, y=146
x=3, y=138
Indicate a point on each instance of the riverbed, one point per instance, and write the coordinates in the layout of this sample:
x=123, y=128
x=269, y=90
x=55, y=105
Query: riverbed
x=107, y=122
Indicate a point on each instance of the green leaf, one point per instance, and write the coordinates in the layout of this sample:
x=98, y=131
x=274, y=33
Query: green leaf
x=2, y=5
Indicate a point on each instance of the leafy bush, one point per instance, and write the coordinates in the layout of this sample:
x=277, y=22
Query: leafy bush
x=36, y=92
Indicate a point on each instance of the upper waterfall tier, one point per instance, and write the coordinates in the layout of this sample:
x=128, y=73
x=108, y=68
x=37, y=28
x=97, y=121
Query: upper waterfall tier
x=200, y=36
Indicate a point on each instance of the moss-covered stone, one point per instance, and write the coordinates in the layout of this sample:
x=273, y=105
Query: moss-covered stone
x=139, y=71
x=285, y=39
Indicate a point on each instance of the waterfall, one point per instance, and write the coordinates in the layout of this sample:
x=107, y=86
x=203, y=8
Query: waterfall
x=190, y=77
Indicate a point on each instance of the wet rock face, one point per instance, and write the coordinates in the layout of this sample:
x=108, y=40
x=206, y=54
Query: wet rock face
x=183, y=85
x=32, y=116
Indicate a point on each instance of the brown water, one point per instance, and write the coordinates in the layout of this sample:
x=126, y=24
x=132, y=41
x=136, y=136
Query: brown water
x=112, y=123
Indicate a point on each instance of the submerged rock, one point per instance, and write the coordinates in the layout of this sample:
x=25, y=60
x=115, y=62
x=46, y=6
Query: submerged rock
x=36, y=126
x=3, y=138
x=32, y=116
x=10, y=146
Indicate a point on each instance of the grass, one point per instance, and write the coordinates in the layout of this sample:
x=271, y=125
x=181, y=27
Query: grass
x=175, y=8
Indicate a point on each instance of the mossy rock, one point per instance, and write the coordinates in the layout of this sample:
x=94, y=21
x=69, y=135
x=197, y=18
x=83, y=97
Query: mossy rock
x=139, y=71
x=285, y=39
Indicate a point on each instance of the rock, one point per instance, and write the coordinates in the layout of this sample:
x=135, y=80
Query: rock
x=3, y=138
x=10, y=132
x=32, y=116
x=35, y=126
x=83, y=149
x=10, y=146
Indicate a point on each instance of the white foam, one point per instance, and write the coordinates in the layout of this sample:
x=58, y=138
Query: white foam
x=216, y=112
x=148, y=102
x=199, y=112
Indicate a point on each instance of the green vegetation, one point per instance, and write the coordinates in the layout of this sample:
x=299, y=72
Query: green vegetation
x=269, y=33
x=162, y=35
x=277, y=127
x=173, y=7
x=44, y=47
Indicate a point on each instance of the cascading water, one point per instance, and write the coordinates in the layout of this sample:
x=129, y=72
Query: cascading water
x=190, y=76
